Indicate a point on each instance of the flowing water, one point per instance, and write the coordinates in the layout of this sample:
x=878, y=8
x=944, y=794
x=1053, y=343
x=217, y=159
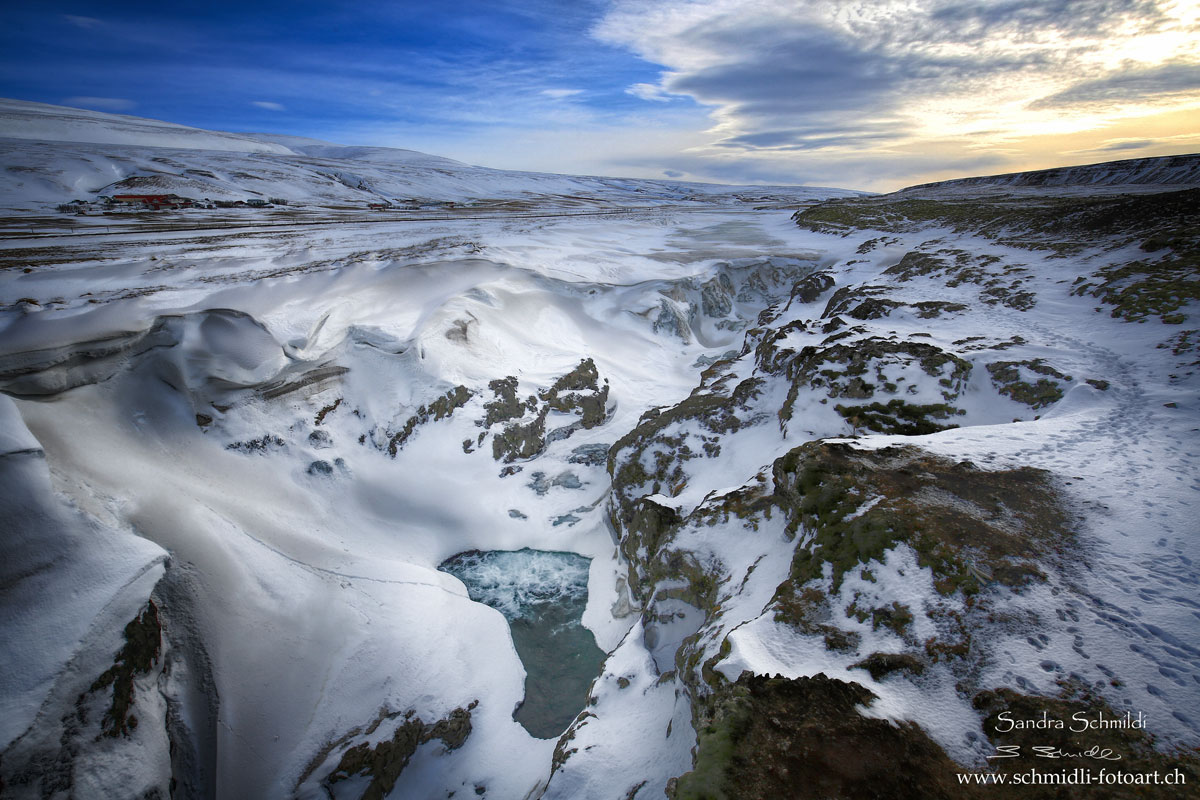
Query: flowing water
x=542, y=594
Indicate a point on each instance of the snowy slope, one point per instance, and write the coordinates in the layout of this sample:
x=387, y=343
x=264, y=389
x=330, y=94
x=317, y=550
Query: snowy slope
x=1180, y=171
x=53, y=155
x=965, y=455
x=20, y=119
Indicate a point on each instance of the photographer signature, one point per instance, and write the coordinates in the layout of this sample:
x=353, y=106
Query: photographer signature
x=1049, y=751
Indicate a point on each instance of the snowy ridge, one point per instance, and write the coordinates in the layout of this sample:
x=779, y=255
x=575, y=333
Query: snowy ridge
x=54, y=155
x=1183, y=170
x=20, y=119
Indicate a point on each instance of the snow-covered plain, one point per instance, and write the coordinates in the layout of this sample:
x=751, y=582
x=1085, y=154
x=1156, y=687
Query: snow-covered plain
x=275, y=428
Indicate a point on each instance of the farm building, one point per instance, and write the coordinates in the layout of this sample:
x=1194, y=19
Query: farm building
x=153, y=201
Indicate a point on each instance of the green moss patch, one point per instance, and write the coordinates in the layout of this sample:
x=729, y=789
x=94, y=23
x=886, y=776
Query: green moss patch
x=804, y=739
x=880, y=665
x=953, y=515
x=857, y=370
x=897, y=416
x=1142, y=290
x=766, y=738
x=1006, y=375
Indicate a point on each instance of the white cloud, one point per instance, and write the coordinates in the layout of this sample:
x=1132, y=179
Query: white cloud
x=561, y=93
x=103, y=103
x=648, y=91
x=269, y=105
x=822, y=82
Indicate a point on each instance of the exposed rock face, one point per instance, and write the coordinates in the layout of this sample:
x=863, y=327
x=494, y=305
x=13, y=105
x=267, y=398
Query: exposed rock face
x=762, y=737
x=440, y=408
x=143, y=642
x=506, y=406
x=520, y=441
x=577, y=393
x=590, y=454
x=385, y=761
x=715, y=297
x=121, y=708
x=811, y=287
x=672, y=321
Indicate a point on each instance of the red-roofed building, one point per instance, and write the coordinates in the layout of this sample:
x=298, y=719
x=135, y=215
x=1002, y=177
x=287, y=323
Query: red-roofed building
x=153, y=201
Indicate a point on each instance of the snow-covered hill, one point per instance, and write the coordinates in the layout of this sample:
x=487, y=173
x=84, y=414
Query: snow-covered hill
x=54, y=155
x=1181, y=171
x=23, y=120
x=845, y=490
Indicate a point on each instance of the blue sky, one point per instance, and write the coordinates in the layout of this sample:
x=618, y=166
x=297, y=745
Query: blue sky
x=871, y=95
x=321, y=68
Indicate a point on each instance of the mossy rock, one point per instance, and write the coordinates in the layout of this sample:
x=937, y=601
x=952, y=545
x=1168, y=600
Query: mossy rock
x=989, y=517
x=384, y=762
x=855, y=369
x=506, y=405
x=713, y=413
x=519, y=441
x=1006, y=375
x=929, y=309
x=850, y=297
x=766, y=738
x=897, y=416
x=439, y=409
x=811, y=287
x=880, y=665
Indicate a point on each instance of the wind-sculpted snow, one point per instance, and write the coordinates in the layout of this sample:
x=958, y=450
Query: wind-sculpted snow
x=235, y=403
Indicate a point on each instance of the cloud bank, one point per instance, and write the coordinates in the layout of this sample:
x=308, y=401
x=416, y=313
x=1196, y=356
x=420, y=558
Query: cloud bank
x=825, y=88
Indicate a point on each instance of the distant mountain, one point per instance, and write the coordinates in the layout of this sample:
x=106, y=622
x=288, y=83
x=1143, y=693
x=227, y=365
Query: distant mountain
x=42, y=122
x=54, y=154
